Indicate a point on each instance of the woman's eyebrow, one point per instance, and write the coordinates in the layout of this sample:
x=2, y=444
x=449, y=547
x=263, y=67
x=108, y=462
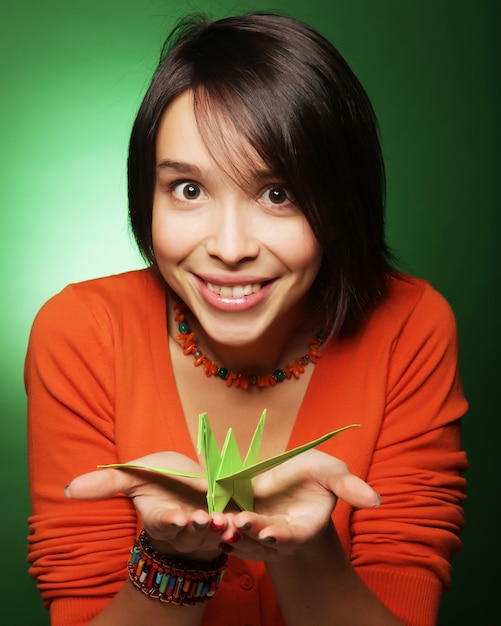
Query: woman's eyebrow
x=179, y=166
x=263, y=175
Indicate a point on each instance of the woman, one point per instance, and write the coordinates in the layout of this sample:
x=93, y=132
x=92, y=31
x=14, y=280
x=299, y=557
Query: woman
x=256, y=195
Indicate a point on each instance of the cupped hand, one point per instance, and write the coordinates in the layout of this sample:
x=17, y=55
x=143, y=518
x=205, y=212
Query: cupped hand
x=293, y=504
x=173, y=509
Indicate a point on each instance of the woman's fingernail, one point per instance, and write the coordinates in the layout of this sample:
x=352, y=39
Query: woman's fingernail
x=378, y=503
x=216, y=526
x=269, y=540
x=234, y=538
x=199, y=526
x=247, y=526
x=67, y=491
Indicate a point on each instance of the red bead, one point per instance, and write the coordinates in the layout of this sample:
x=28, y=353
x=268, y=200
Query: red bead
x=231, y=377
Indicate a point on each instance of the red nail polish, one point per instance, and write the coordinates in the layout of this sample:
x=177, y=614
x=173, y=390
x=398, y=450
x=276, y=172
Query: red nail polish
x=234, y=538
x=215, y=526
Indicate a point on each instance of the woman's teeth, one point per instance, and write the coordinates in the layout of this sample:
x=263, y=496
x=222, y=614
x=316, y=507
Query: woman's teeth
x=234, y=291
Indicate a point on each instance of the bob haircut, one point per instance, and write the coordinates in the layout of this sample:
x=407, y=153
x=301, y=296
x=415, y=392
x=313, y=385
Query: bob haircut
x=295, y=102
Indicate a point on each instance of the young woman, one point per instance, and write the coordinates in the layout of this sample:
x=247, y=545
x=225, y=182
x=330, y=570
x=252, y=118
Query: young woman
x=256, y=195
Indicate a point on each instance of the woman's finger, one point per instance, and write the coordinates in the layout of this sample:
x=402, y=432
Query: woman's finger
x=107, y=482
x=352, y=490
x=104, y=483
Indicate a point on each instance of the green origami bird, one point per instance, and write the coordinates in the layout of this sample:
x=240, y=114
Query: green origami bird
x=227, y=476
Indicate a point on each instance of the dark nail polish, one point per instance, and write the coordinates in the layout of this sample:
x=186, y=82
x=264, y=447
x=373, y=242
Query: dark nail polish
x=269, y=540
x=200, y=526
x=378, y=503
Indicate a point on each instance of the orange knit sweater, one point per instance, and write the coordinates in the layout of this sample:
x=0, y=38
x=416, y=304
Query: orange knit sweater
x=101, y=390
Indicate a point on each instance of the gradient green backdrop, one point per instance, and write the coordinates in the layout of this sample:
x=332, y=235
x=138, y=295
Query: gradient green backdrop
x=72, y=75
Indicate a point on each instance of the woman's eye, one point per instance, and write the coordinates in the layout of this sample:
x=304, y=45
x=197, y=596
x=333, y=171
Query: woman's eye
x=276, y=195
x=187, y=191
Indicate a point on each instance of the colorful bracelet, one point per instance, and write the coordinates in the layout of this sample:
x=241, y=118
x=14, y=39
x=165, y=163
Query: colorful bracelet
x=173, y=580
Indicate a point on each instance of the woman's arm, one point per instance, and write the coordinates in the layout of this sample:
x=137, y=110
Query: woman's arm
x=131, y=607
x=318, y=586
x=177, y=525
x=292, y=531
x=78, y=549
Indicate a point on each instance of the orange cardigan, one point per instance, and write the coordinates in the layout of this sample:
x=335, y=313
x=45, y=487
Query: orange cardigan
x=101, y=390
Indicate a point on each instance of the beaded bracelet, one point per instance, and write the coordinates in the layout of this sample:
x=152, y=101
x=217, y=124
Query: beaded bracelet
x=173, y=580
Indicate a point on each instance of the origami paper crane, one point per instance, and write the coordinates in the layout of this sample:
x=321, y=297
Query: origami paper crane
x=227, y=476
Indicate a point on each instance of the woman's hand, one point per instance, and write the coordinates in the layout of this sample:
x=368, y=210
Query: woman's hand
x=293, y=504
x=173, y=509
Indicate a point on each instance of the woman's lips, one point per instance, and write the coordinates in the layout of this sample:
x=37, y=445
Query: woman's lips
x=236, y=297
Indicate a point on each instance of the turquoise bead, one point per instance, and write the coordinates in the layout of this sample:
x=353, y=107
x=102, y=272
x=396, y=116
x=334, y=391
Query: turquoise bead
x=183, y=327
x=223, y=373
x=279, y=375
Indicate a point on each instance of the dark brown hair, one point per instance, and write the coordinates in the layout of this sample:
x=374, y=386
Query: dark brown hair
x=295, y=100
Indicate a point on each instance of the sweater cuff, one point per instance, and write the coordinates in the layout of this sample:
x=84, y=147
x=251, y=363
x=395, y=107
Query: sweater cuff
x=76, y=611
x=413, y=596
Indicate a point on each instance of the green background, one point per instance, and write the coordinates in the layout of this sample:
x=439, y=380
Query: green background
x=72, y=76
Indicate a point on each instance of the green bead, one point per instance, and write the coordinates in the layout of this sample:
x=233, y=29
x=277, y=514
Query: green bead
x=223, y=373
x=183, y=327
x=321, y=335
x=279, y=375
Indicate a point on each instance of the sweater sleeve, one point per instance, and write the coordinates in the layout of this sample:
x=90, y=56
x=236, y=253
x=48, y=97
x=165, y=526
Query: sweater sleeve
x=74, y=547
x=403, y=549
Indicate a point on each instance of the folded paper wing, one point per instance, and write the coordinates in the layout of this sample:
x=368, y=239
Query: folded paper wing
x=227, y=476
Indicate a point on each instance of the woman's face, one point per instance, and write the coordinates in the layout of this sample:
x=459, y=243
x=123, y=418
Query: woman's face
x=241, y=256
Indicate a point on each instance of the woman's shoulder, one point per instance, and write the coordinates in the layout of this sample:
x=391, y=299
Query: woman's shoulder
x=414, y=305
x=406, y=293
x=105, y=300
x=117, y=286
x=410, y=291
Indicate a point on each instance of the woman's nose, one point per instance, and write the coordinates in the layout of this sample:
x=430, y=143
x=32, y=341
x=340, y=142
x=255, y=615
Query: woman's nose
x=232, y=238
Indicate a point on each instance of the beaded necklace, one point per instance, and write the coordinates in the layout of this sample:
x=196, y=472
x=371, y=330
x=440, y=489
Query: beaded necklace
x=186, y=339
